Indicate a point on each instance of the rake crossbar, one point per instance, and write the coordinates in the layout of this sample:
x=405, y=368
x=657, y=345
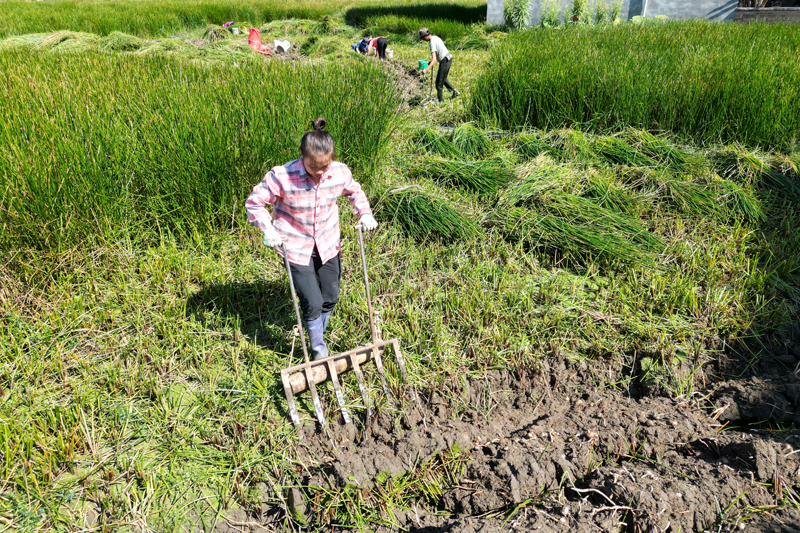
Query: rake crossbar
x=343, y=362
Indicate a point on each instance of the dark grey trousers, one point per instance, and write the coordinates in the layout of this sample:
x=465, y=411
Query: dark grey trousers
x=441, y=78
x=381, y=46
x=317, y=285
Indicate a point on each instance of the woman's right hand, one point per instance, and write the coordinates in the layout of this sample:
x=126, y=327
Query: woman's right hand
x=271, y=238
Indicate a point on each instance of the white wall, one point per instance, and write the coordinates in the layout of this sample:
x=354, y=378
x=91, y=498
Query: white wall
x=674, y=9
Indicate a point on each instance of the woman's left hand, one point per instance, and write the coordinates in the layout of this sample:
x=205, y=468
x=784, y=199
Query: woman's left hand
x=368, y=222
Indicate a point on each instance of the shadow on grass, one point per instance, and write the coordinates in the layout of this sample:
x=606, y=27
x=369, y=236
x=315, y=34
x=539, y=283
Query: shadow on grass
x=262, y=311
x=358, y=16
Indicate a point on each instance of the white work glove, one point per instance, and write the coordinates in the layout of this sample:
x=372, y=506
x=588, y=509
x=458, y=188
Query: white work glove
x=271, y=238
x=368, y=222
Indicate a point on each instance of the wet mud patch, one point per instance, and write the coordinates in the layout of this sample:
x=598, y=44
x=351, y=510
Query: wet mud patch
x=552, y=452
x=553, y=449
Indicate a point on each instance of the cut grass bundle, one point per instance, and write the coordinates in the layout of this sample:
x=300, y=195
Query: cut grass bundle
x=530, y=146
x=605, y=192
x=713, y=197
x=576, y=225
x=618, y=152
x=664, y=152
x=472, y=42
x=423, y=216
x=68, y=41
x=573, y=143
x=690, y=198
x=538, y=178
x=738, y=164
x=434, y=142
x=484, y=177
x=471, y=141
x=214, y=33
x=740, y=200
x=579, y=229
x=121, y=42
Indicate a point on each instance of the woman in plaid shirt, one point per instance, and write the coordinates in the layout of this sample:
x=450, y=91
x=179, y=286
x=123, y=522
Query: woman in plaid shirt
x=305, y=216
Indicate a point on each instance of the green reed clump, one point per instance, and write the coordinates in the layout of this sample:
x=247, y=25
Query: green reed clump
x=618, y=152
x=484, y=177
x=530, y=146
x=471, y=141
x=664, y=152
x=434, y=142
x=706, y=81
x=108, y=146
x=424, y=216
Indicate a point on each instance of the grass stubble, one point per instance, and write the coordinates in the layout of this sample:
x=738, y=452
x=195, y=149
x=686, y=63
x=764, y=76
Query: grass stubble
x=137, y=371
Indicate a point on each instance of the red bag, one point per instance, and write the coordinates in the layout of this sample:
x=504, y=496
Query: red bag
x=255, y=42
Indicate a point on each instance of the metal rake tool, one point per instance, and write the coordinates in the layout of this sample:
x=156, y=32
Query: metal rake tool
x=308, y=375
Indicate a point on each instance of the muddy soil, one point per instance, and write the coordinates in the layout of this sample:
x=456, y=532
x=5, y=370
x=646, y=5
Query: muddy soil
x=410, y=83
x=556, y=451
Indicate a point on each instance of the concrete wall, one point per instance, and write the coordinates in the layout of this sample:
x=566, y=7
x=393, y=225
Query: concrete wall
x=768, y=14
x=699, y=9
x=494, y=12
x=674, y=9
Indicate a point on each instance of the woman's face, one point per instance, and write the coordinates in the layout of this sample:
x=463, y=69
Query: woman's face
x=316, y=166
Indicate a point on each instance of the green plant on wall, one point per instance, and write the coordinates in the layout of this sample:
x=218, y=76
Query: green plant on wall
x=549, y=11
x=616, y=8
x=578, y=13
x=601, y=12
x=517, y=13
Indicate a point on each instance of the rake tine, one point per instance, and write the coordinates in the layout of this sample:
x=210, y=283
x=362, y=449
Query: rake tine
x=402, y=364
x=361, y=385
x=379, y=365
x=338, y=390
x=312, y=387
x=287, y=390
x=307, y=369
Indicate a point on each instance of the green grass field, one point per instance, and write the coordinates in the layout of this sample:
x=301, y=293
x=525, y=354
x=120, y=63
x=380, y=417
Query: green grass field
x=142, y=324
x=710, y=82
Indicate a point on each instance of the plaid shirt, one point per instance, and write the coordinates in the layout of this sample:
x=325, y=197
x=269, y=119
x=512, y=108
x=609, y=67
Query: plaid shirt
x=305, y=215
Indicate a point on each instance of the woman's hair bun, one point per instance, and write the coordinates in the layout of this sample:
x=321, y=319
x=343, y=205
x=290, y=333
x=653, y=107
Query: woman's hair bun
x=320, y=124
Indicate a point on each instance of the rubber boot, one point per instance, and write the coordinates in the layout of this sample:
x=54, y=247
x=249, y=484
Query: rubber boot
x=325, y=318
x=316, y=329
